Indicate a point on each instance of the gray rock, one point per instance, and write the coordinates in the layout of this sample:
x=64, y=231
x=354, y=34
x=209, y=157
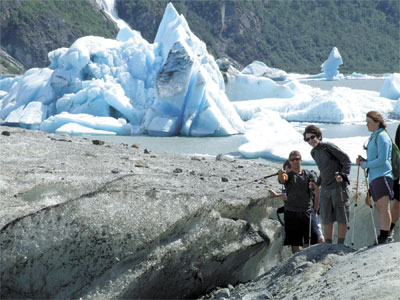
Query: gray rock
x=70, y=228
x=329, y=271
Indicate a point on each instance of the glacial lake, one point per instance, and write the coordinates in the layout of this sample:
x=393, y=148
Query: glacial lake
x=216, y=145
x=212, y=146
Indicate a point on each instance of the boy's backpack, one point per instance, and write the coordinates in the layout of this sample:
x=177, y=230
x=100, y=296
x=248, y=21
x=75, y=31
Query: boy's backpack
x=395, y=156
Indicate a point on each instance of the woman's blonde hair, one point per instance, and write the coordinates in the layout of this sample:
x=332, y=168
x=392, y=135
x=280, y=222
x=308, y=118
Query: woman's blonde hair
x=377, y=117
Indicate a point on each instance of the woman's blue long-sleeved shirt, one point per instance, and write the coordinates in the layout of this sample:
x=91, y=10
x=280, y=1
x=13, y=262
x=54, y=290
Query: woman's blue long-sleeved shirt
x=379, y=155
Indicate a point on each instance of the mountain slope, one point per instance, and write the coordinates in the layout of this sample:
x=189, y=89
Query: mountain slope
x=292, y=35
x=32, y=28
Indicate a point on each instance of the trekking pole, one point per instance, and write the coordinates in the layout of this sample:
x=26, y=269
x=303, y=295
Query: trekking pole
x=370, y=205
x=255, y=180
x=309, y=228
x=355, y=205
x=311, y=211
x=344, y=206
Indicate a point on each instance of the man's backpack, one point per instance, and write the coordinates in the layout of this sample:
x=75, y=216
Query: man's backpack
x=395, y=156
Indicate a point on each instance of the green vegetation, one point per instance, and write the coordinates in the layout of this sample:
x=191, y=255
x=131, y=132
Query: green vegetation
x=77, y=15
x=10, y=69
x=293, y=35
x=31, y=28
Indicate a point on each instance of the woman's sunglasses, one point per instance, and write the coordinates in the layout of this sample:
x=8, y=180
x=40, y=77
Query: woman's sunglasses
x=295, y=159
x=310, y=138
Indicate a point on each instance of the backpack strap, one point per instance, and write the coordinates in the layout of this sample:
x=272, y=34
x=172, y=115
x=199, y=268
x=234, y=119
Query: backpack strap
x=376, y=137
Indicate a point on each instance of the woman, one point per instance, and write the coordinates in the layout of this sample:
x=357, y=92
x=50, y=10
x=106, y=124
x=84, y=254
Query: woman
x=379, y=152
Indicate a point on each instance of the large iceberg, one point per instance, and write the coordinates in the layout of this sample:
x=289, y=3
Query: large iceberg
x=171, y=87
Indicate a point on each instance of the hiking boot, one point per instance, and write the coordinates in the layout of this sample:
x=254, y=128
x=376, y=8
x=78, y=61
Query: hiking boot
x=382, y=240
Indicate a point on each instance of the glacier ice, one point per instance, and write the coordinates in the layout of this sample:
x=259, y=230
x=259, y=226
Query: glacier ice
x=132, y=79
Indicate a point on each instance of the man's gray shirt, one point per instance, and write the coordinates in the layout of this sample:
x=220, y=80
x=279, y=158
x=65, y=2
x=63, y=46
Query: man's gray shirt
x=330, y=159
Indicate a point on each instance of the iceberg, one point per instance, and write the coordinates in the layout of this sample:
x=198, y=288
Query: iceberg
x=391, y=87
x=331, y=65
x=260, y=69
x=240, y=87
x=171, y=87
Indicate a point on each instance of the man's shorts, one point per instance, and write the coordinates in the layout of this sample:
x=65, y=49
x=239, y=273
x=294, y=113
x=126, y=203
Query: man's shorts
x=297, y=229
x=381, y=187
x=331, y=205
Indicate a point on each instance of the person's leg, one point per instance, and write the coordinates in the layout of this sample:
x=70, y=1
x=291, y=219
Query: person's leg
x=383, y=209
x=395, y=211
x=295, y=249
x=382, y=189
x=326, y=210
x=293, y=236
x=342, y=230
x=341, y=212
x=328, y=232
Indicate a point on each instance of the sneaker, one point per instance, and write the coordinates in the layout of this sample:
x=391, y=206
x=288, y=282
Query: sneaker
x=390, y=238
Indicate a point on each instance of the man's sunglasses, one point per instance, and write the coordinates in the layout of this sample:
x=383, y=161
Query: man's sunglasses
x=295, y=159
x=310, y=138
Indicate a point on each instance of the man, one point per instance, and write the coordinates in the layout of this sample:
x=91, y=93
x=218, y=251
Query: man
x=298, y=229
x=334, y=166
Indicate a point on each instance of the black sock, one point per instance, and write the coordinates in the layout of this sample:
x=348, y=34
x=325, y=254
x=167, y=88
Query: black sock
x=340, y=240
x=328, y=241
x=392, y=226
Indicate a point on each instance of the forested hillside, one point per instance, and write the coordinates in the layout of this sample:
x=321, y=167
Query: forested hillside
x=31, y=28
x=292, y=35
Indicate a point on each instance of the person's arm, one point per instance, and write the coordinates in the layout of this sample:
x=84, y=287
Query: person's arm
x=282, y=176
x=383, y=145
x=274, y=194
x=342, y=157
